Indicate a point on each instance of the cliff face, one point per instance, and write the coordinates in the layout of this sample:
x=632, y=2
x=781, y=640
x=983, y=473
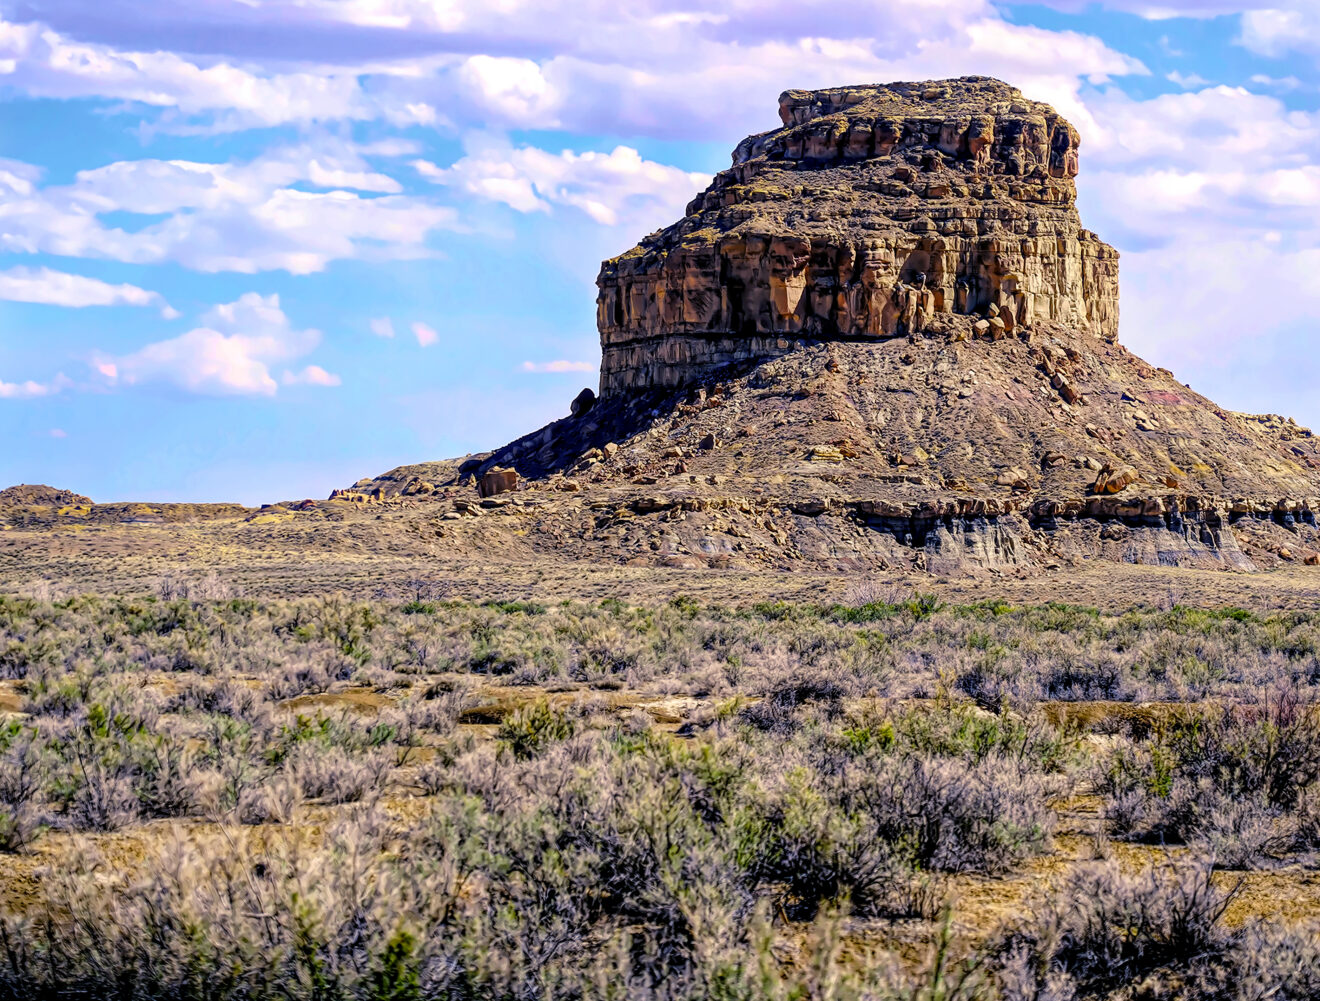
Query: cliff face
x=945, y=206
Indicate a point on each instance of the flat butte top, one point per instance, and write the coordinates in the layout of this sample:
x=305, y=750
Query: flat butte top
x=929, y=99
x=853, y=162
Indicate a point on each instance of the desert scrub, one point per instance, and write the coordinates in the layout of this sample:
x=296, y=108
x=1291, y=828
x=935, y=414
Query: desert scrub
x=624, y=863
x=1241, y=779
x=530, y=729
x=900, y=646
x=347, y=837
x=175, y=708
x=607, y=855
x=23, y=775
x=1106, y=928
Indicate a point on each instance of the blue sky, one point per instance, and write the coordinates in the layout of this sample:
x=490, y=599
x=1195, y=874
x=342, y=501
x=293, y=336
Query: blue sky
x=255, y=249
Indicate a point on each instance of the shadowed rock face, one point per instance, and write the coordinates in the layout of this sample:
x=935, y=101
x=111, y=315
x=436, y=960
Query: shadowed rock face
x=872, y=212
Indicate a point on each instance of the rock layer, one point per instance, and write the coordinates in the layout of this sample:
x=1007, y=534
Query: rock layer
x=872, y=212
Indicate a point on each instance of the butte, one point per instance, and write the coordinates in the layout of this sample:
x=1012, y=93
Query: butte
x=883, y=338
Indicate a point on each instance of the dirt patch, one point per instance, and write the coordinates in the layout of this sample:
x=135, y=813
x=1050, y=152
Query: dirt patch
x=363, y=701
x=11, y=698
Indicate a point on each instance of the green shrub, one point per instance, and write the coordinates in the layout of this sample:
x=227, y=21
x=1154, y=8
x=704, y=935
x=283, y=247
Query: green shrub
x=531, y=729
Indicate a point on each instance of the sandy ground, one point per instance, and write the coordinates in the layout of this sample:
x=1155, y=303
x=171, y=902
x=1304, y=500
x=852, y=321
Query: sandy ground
x=384, y=555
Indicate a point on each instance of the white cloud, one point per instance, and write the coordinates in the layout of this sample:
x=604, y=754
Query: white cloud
x=1281, y=28
x=1187, y=81
x=31, y=390
x=219, y=94
x=57, y=433
x=229, y=354
x=557, y=366
x=609, y=187
x=1283, y=83
x=244, y=217
x=1203, y=168
x=510, y=90
x=382, y=326
x=1217, y=128
x=665, y=91
x=426, y=336
x=57, y=288
x=1214, y=198
x=1204, y=319
x=312, y=375
x=18, y=179
x=594, y=66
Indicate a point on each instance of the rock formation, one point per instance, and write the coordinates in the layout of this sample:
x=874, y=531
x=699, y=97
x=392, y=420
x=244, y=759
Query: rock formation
x=872, y=212
x=40, y=495
x=497, y=481
x=882, y=338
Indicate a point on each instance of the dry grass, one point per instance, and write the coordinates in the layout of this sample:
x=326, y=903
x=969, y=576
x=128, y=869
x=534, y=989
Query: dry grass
x=231, y=797
x=365, y=553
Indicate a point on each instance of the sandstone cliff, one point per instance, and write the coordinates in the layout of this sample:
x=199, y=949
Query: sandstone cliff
x=872, y=212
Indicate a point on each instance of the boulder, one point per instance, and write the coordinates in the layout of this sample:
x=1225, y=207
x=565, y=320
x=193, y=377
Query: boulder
x=1013, y=477
x=1067, y=390
x=417, y=486
x=1111, y=479
x=583, y=402
x=1052, y=460
x=497, y=481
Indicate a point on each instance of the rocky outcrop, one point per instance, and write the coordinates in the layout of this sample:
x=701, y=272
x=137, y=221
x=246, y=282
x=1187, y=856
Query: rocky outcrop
x=40, y=495
x=583, y=402
x=872, y=212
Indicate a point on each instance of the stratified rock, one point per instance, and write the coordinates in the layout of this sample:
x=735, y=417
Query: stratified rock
x=872, y=212
x=825, y=453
